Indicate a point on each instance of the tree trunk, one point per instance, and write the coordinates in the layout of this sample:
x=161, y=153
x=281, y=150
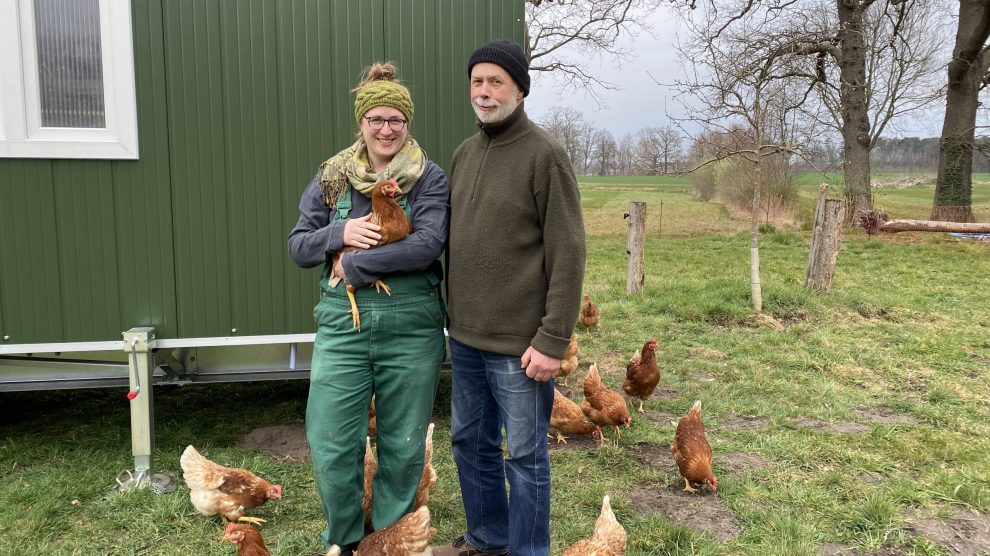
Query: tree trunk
x=954, y=186
x=893, y=226
x=756, y=287
x=855, y=117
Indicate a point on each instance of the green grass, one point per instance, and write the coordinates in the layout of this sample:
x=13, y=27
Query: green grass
x=905, y=327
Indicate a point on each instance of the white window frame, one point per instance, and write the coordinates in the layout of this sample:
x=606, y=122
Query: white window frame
x=21, y=134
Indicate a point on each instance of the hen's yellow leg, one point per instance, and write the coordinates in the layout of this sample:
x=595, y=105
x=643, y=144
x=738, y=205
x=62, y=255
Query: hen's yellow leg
x=355, y=315
x=255, y=520
x=641, y=406
x=561, y=438
x=687, y=487
x=382, y=286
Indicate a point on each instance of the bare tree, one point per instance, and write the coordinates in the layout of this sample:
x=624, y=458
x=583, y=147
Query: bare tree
x=867, y=58
x=967, y=76
x=586, y=28
x=658, y=150
x=605, y=152
x=626, y=155
x=898, y=65
x=567, y=125
x=742, y=82
x=586, y=145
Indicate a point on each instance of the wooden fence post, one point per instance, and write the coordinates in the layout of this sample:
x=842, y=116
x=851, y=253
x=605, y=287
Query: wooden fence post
x=825, y=240
x=636, y=247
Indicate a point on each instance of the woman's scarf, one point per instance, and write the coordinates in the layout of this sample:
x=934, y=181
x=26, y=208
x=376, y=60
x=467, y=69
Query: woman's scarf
x=352, y=166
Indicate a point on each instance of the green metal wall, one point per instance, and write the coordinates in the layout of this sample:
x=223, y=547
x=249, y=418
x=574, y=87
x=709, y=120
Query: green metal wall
x=238, y=103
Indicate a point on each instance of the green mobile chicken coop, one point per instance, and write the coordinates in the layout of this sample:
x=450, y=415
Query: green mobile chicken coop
x=152, y=155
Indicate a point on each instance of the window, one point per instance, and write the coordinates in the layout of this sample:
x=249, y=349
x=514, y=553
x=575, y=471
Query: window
x=67, y=79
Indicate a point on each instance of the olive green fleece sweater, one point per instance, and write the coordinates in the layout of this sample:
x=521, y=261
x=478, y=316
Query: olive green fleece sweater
x=517, y=245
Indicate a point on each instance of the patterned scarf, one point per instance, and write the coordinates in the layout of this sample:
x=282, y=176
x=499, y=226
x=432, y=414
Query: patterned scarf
x=351, y=166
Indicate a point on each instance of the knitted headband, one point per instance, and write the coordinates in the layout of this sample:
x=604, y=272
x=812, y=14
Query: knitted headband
x=383, y=93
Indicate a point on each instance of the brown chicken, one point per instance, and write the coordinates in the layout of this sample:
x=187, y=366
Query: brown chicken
x=395, y=225
x=215, y=489
x=608, y=539
x=570, y=360
x=604, y=407
x=370, y=468
x=692, y=452
x=589, y=314
x=247, y=539
x=642, y=373
x=372, y=420
x=426, y=481
x=567, y=417
x=429, y=476
x=410, y=536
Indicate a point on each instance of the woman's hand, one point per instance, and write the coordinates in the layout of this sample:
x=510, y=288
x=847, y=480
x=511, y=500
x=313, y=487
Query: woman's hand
x=361, y=232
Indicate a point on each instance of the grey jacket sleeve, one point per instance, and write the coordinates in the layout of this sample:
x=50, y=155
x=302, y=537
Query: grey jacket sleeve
x=430, y=203
x=315, y=235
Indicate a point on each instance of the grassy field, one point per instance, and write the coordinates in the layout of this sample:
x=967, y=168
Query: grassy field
x=848, y=421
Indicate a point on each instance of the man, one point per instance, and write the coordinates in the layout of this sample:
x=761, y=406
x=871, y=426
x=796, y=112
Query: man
x=515, y=275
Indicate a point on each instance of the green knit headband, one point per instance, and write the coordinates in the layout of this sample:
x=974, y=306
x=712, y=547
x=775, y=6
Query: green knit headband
x=383, y=93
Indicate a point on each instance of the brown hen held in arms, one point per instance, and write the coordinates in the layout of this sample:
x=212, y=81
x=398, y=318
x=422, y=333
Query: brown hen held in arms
x=395, y=225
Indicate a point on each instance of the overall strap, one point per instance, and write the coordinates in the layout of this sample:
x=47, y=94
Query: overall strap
x=344, y=204
x=404, y=203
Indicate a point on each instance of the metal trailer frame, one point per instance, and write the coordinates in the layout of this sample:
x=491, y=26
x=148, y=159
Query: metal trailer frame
x=140, y=361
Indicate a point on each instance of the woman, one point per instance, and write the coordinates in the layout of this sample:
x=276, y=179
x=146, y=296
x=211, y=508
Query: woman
x=397, y=351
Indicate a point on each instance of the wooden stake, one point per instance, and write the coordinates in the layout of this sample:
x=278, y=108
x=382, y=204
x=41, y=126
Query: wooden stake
x=826, y=238
x=636, y=247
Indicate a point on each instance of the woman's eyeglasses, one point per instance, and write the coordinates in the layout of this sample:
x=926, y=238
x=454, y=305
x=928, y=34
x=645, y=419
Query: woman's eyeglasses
x=376, y=123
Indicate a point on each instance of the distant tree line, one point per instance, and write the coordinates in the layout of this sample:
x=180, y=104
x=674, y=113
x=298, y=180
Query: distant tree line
x=661, y=151
x=652, y=151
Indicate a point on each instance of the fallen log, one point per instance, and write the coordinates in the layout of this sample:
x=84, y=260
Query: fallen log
x=894, y=226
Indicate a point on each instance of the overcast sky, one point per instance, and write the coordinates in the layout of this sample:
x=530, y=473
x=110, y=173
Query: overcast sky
x=640, y=102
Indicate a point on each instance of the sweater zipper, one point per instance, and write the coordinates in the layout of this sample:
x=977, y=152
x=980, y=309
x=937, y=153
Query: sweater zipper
x=477, y=176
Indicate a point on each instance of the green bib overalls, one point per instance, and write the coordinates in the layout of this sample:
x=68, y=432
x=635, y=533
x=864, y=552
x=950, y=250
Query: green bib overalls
x=396, y=355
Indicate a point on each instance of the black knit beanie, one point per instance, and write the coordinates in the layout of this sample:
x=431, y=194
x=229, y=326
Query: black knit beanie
x=509, y=56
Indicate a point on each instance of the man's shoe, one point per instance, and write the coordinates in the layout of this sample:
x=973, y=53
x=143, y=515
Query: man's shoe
x=461, y=547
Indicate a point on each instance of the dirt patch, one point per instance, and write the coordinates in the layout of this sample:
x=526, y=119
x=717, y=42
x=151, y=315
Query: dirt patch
x=708, y=353
x=885, y=415
x=844, y=427
x=981, y=360
x=656, y=456
x=573, y=442
x=660, y=418
x=739, y=462
x=963, y=533
x=704, y=513
x=743, y=422
x=283, y=442
x=836, y=549
x=567, y=391
x=661, y=393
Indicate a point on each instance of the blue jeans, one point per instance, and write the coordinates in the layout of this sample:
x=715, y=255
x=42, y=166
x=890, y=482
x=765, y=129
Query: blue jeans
x=490, y=391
